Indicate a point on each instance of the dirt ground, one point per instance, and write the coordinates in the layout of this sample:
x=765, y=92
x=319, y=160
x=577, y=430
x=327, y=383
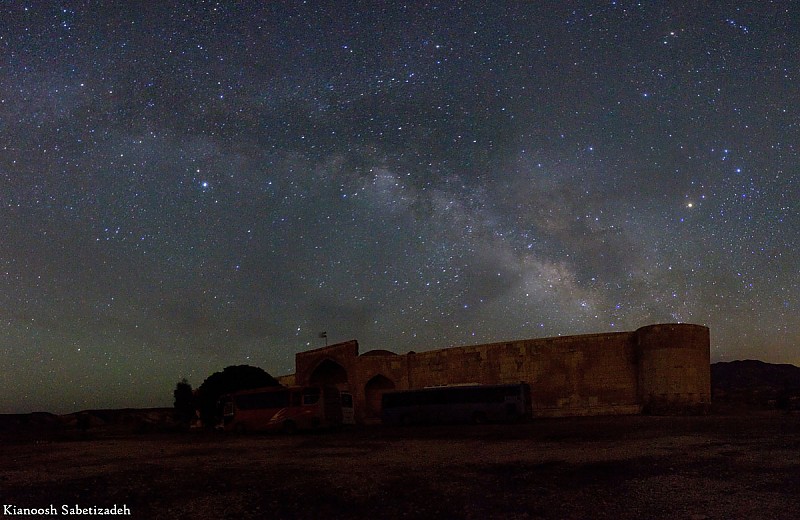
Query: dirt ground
x=740, y=466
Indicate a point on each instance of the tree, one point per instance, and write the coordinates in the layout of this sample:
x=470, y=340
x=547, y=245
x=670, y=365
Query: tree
x=231, y=379
x=184, y=402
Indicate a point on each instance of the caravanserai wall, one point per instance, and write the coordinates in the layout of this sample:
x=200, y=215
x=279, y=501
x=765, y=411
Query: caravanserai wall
x=659, y=368
x=674, y=368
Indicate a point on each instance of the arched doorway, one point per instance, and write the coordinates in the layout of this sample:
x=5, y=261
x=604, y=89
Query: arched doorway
x=373, y=391
x=331, y=373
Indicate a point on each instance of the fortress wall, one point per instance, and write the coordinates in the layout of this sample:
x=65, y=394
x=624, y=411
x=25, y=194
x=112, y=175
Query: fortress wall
x=452, y=366
x=674, y=367
x=585, y=375
x=573, y=375
x=658, y=368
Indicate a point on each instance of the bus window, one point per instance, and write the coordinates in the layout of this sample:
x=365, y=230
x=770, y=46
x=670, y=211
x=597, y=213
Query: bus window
x=281, y=409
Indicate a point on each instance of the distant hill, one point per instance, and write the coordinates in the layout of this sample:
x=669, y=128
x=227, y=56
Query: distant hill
x=39, y=425
x=756, y=383
x=134, y=419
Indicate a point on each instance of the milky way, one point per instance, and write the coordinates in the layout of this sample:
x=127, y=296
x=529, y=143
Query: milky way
x=190, y=186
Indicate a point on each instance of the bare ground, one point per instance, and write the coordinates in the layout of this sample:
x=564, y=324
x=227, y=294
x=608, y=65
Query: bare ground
x=736, y=466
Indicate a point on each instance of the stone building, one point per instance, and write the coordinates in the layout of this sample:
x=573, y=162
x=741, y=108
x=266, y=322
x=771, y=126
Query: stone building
x=655, y=369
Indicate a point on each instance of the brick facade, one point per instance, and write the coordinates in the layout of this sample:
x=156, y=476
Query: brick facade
x=659, y=369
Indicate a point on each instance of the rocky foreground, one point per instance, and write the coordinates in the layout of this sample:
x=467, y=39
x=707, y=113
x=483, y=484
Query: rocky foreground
x=743, y=465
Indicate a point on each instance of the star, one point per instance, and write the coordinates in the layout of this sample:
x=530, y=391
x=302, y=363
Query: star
x=235, y=178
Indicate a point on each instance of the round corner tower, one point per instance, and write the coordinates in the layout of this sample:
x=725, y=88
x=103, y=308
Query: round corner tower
x=674, y=368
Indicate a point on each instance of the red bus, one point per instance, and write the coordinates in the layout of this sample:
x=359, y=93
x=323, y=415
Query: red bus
x=280, y=408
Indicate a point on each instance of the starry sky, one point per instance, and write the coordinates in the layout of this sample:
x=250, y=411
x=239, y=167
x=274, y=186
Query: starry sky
x=190, y=185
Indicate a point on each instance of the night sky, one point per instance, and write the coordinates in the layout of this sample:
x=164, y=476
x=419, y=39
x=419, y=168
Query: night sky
x=187, y=186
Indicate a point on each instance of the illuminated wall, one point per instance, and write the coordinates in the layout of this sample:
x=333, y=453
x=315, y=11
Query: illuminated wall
x=655, y=369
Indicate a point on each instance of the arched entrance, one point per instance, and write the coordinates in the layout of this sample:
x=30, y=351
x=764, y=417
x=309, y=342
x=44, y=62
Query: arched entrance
x=331, y=373
x=373, y=391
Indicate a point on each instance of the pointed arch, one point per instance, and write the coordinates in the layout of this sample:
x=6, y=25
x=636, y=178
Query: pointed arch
x=329, y=372
x=373, y=391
